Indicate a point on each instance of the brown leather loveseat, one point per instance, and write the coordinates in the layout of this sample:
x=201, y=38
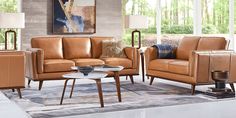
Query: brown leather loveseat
x=196, y=57
x=51, y=57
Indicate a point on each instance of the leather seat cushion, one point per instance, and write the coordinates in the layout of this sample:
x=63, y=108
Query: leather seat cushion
x=76, y=47
x=86, y=62
x=160, y=64
x=170, y=65
x=58, y=65
x=125, y=62
x=179, y=67
x=52, y=46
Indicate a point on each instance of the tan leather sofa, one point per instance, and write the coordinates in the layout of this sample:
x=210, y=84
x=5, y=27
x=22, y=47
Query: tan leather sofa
x=196, y=57
x=12, y=70
x=51, y=57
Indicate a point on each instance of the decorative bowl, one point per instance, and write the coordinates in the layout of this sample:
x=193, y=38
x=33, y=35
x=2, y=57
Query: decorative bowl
x=85, y=69
x=220, y=75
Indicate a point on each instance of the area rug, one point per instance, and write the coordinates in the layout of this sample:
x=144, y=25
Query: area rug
x=45, y=103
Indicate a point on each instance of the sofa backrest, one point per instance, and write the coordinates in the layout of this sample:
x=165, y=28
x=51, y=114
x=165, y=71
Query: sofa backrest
x=187, y=45
x=212, y=43
x=76, y=47
x=97, y=45
x=52, y=46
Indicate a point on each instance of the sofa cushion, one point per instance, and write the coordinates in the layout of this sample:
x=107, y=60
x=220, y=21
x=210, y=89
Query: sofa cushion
x=52, y=46
x=86, y=62
x=125, y=62
x=187, y=45
x=179, y=67
x=58, y=65
x=160, y=64
x=76, y=47
x=216, y=43
x=112, y=48
x=97, y=45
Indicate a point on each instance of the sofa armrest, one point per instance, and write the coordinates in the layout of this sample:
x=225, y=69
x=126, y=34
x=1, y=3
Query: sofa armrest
x=133, y=54
x=203, y=62
x=150, y=54
x=35, y=60
x=12, y=69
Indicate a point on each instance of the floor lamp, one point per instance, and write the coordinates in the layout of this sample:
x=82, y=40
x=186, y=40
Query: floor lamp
x=137, y=22
x=11, y=21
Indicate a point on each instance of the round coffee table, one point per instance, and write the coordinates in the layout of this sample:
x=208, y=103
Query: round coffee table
x=93, y=76
x=98, y=73
x=114, y=69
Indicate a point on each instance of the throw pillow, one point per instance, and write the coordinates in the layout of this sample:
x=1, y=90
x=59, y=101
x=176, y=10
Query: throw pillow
x=165, y=51
x=112, y=48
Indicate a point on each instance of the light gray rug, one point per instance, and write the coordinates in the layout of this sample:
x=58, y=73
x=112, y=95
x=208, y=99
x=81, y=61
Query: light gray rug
x=45, y=103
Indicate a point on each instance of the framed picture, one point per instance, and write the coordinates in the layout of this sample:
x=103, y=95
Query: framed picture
x=74, y=16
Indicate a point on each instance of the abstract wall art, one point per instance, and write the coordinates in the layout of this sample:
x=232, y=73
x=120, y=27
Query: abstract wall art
x=74, y=16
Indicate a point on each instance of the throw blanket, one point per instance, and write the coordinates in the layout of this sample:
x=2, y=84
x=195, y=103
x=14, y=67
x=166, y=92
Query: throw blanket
x=165, y=51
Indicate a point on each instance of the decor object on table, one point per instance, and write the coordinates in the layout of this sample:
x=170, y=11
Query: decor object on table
x=136, y=22
x=74, y=16
x=112, y=48
x=12, y=21
x=51, y=57
x=195, y=58
x=220, y=91
x=12, y=70
x=85, y=69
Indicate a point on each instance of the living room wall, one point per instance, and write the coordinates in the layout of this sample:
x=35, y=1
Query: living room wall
x=38, y=21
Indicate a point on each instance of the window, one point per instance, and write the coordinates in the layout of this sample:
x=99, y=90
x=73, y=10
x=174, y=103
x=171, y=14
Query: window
x=141, y=7
x=215, y=16
x=7, y=6
x=177, y=16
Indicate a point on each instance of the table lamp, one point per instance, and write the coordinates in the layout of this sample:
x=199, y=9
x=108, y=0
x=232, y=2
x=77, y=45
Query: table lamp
x=136, y=22
x=12, y=21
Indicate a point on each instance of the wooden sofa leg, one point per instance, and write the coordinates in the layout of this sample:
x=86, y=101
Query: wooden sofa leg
x=19, y=92
x=232, y=86
x=40, y=85
x=131, y=79
x=193, y=89
x=13, y=90
x=29, y=82
x=151, y=80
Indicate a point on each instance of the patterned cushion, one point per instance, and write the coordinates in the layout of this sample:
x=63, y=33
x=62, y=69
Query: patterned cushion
x=112, y=48
x=165, y=51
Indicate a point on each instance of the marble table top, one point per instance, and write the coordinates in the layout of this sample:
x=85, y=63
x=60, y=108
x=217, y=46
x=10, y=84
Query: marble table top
x=79, y=75
x=104, y=69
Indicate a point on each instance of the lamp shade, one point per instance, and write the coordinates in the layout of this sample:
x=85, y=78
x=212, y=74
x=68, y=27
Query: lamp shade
x=12, y=20
x=136, y=22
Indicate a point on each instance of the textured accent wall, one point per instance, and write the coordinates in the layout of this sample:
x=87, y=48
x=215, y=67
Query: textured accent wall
x=39, y=19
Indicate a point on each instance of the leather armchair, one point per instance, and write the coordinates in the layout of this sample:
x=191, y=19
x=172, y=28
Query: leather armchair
x=196, y=57
x=12, y=70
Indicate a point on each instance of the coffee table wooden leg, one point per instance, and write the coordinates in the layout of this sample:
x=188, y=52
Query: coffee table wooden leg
x=117, y=80
x=99, y=87
x=62, y=96
x=72, y=88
